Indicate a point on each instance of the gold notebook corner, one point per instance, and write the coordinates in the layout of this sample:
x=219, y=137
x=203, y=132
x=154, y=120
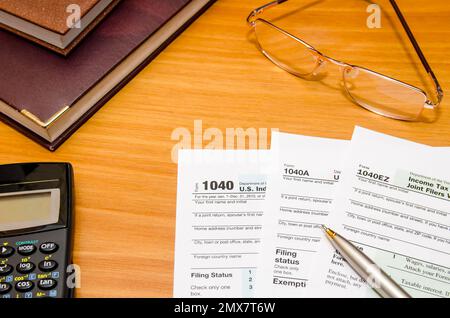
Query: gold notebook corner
x=46, y=124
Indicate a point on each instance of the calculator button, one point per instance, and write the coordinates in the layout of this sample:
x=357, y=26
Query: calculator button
x=48, y=248
x=24, y=286
x=25, y=268
x=5, y=269
x=5, y=288
x=6, y=251
x=48, y=266
x=47, y=284
x=27, y=249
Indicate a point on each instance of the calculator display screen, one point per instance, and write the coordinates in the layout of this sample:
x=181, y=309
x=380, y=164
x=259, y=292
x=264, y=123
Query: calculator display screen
x=28, y=209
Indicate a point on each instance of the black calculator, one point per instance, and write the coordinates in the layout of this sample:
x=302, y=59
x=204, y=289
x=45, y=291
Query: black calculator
x=36, y=225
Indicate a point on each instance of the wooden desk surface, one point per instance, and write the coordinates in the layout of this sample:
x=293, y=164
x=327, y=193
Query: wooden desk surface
x=125, y=178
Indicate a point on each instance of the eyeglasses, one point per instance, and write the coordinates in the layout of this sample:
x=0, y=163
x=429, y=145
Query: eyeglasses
x=376, y=92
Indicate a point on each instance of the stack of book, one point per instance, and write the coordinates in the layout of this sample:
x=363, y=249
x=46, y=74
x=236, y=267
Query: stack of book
x=62, y=60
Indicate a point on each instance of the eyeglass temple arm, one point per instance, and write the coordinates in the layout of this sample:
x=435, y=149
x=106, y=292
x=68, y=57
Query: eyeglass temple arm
x=254, y=13
x=440, y=92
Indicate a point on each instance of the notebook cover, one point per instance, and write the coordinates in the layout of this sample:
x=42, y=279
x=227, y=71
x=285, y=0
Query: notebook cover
x=116, y=32
x=48, y=14
x=24, y=9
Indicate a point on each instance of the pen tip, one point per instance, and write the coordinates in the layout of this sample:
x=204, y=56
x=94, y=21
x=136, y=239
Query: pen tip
x=328, y=231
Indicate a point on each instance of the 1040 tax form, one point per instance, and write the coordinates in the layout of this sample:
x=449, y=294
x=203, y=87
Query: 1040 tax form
x=220, y=205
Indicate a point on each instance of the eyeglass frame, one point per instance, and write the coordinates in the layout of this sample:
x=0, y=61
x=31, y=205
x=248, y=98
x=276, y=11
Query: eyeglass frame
x=252, y=19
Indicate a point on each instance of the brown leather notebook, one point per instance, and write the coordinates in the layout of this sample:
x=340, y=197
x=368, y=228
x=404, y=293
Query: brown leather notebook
x=48, y=97
x=56, y=24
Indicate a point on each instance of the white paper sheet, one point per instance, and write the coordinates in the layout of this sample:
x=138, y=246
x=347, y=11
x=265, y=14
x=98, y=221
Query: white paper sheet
x=220, y=207
x=299, y=201
x=393, y=202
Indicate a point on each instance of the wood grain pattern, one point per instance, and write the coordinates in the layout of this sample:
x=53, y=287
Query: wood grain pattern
x=125, y=179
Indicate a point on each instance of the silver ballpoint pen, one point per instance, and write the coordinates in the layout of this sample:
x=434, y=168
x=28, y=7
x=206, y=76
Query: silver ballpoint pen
x=381, y=282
